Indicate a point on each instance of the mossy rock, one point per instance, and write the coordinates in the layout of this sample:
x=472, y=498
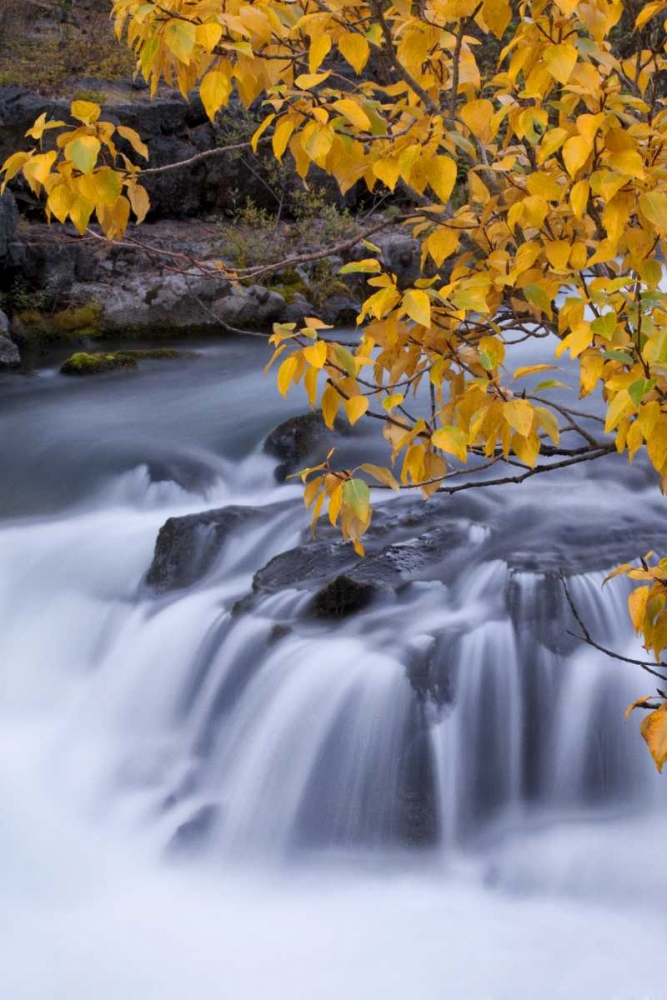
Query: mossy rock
x=70, y=324
x=95, y=364
x=156, y=354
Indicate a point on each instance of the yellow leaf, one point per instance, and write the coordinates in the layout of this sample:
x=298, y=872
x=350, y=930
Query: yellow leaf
x=85, y=111
x=208, y=35
x=139, y=201
x=354, y=113
x=180, y=37
x=637, y=602
x=654, y=731
x=531, y=370
x=309, y=80
x=649, y=11
x=387, y=170
x=548, y=422
x=637, y=704
x=654, y=206
x=355, y=407
x=286, y=373
x=83, y=152
x=330, y=402
x=418, y=307
x=381, y=474
x=575, y=153
x=453, y=440
x=37, y=168
x=518, y=413
x=477, y=115
x=214, y=92
x=316, y=354
x=441, y=174
x=320, y=47
x=619, y=406
x=355, y=49
x=560, y=60
x=442, y=244
x=134, y=140
x=579, y=198
x=281, y=137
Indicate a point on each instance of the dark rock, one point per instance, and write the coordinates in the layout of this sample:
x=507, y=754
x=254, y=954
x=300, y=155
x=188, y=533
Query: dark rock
x=342, y=597
x=339, y=310
x=401, y=255
x=8, y=220
x=188, y=546
x=157, y=354
x=279, y=632
x=9, y=352
x=303, y=565
x=295, y=440
x=193, y=834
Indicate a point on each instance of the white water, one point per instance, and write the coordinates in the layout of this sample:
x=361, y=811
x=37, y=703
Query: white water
x=122, y=715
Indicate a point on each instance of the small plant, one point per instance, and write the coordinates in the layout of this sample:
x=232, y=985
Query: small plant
x=96, y=96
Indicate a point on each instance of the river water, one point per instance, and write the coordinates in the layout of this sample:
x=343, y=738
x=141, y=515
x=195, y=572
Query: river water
x=195, y=805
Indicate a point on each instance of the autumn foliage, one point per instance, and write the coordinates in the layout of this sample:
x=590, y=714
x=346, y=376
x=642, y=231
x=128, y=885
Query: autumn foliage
x=557, y=230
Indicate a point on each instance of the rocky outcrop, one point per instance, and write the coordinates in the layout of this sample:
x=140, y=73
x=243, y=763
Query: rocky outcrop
x=167, y=303
x=187, y=547
x=8, y=219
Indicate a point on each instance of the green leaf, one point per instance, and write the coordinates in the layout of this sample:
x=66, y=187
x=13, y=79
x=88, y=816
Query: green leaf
x=83, y=153
x=357, y=496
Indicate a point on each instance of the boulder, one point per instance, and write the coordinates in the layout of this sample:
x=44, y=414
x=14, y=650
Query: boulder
x=401, y=254
x=9, y=352
x=188, y=546
x=295, y=440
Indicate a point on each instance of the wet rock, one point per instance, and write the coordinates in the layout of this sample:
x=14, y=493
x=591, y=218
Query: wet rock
x=419, y=824
x=188, y=546
x=295, y=440
x=9, y=352
x=342, y=597
x=193, y=834
x=157, y=354
x=432, y=671
x=95, y=364
x=304, y=565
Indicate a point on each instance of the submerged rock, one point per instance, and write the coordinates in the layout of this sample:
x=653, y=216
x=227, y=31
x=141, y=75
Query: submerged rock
x=157, y=354
x=192, y=835
x=95, y=364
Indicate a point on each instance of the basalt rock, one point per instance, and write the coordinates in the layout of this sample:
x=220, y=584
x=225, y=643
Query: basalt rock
x=187, y=547
x=295, y=441
x=342, y=597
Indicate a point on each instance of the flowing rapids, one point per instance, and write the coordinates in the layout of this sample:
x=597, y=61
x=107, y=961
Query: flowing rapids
x=435, y=797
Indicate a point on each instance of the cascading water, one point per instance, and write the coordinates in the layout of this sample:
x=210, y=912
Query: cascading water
x=210, y=793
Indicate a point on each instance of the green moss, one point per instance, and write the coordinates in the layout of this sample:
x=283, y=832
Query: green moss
x=93, y=364
x=69, y=324
x=156, y=354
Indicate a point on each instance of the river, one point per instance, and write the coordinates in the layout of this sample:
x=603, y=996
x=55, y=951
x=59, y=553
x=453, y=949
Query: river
x=195, y=804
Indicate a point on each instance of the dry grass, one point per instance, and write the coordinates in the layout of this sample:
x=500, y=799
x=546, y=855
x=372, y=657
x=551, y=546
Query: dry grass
x=49, y=44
